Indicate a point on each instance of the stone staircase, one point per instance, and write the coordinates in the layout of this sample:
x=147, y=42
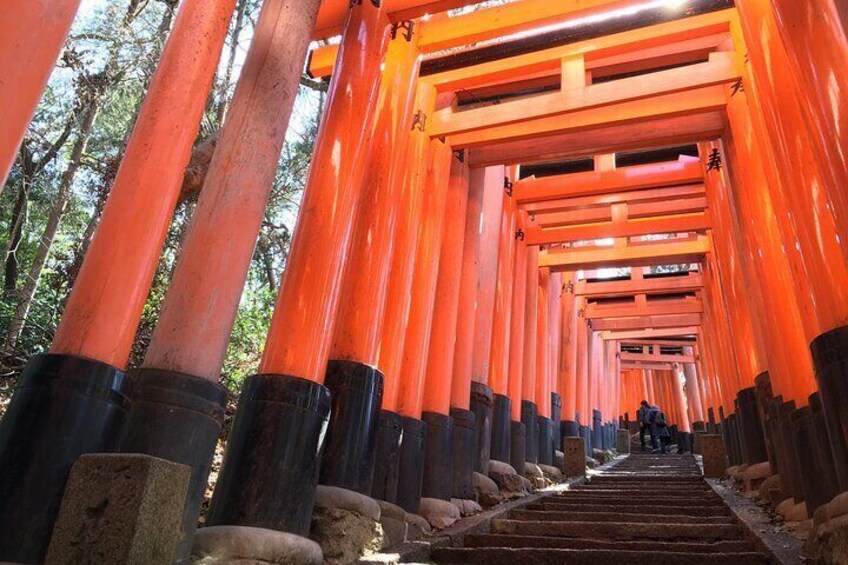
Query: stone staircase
x=649, y=509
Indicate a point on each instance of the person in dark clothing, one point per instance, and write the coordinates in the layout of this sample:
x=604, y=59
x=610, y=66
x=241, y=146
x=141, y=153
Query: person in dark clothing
x=643, y=417
x=660, y=428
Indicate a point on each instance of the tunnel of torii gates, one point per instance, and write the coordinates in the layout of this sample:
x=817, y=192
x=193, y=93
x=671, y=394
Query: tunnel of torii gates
x=443, y=303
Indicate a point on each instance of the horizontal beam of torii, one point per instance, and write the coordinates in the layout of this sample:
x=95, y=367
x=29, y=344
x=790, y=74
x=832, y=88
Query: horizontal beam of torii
x=647, y=322
x=439, y=32
x=688, y=283
x=641, y=254
x=647, y=366
x=655, y=358
x=689, y=305
x=682, y=331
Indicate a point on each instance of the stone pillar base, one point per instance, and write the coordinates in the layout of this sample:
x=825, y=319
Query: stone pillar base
x=223, y=545
x=623, y=442
x=574, y=457
x=715, y=458
x=120, y=508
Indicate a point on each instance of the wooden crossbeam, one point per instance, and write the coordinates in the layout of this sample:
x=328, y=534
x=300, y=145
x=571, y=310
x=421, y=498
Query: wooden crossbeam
x=665, y=285
x=333, y=13
x=591, y=183
x=652, y=133
x=655, y=358
x=662, y=252
x=439, y=31
x=647, y=366
x=641, y=111
x=659, y=308
x=656, y=342
x=630, y=228
x=684, y=331
x=549, y=60
x=635, y=210
x=720, y=69
x=676, y=195
x=647, y=322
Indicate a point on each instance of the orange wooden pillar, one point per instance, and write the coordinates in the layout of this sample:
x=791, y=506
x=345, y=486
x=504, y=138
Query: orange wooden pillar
x=518, y=434
x=491, y=181
x=555, y=340
x=187, y=349
x=436, y=481
x=543, y=359
x=550, y=283
x=399, y=301
x=531, y=338
x=693, y=392
x=440, y=356
x=501, y=325
x=584, y=415
x=462, y=386
x=362, y=444
x=31, y=36
x=596, y=363
x=271, y=410
x=93, y=341
x=815, y=189
x=568, y=359
x=683, y=421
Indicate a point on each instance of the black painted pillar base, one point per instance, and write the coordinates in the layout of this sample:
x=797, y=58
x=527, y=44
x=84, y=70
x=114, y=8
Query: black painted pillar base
x=569, y=429
x=793, y=467
x=411, y=466
x=438, y=456
x=813, y=473
x=500, y=449
x=712, y=425
x=464, y=453
x=356, y=394
x=586, y=434
x=751, y=427
x=64, y=406
x=830, y=359
x=823, y=446
x=270, y=469
x=519, y=447
x=782, y=446
x=177, y=417
x=387, y=461
x=765, y=394
x=530, y=419
x=597, y=434
x=482, y=404
x=546, y=441
x=556, y=416
x=699, y=426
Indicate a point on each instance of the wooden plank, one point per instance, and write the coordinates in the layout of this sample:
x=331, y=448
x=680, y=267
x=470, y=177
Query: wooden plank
x=333, y=13
x=675, y=194
x=592, y=183
x=610, y=139
x=646, y=366
x=635, y=210
x=654, y=358
x=642, y=111
x=721, y=69
x=665, y=285
x=630, y=228
x=667, y=307
x=657, y=342
x=647, y=322
x=687, y=331
x=662, y=253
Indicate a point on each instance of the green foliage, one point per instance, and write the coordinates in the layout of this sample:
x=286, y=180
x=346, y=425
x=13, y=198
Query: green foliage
x=125, y=37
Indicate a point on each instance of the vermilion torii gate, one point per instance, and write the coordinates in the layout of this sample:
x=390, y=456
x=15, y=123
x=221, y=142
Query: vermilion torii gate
x=441, y=306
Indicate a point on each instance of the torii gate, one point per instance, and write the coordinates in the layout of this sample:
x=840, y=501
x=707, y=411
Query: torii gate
x=431, y=296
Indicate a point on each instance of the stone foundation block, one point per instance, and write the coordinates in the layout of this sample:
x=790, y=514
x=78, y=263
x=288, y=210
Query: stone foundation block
x=551, y=473
x=575, y=457
x=120, y=508
x=486, y=490
x=466, y=507
x=439, y=513
x=508, y=480
x=346, y=524
x=622, y=442
x=228, y=545
x=715, y=460
x=393, y=520
x=417, y=527
x=753, y=477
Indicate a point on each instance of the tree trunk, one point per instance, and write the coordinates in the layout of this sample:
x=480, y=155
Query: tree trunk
x=16, y=324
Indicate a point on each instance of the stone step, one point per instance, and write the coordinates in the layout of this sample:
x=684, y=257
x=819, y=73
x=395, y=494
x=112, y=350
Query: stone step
x=536, y=556
x=563, y=506
x=571, y=516
x=504, y=540
x=619, y=530
x=678, y=493
x=647, y=502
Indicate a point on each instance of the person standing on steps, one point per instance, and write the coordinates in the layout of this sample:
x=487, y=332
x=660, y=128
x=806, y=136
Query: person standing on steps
x=643, y=417
x=659, y=430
